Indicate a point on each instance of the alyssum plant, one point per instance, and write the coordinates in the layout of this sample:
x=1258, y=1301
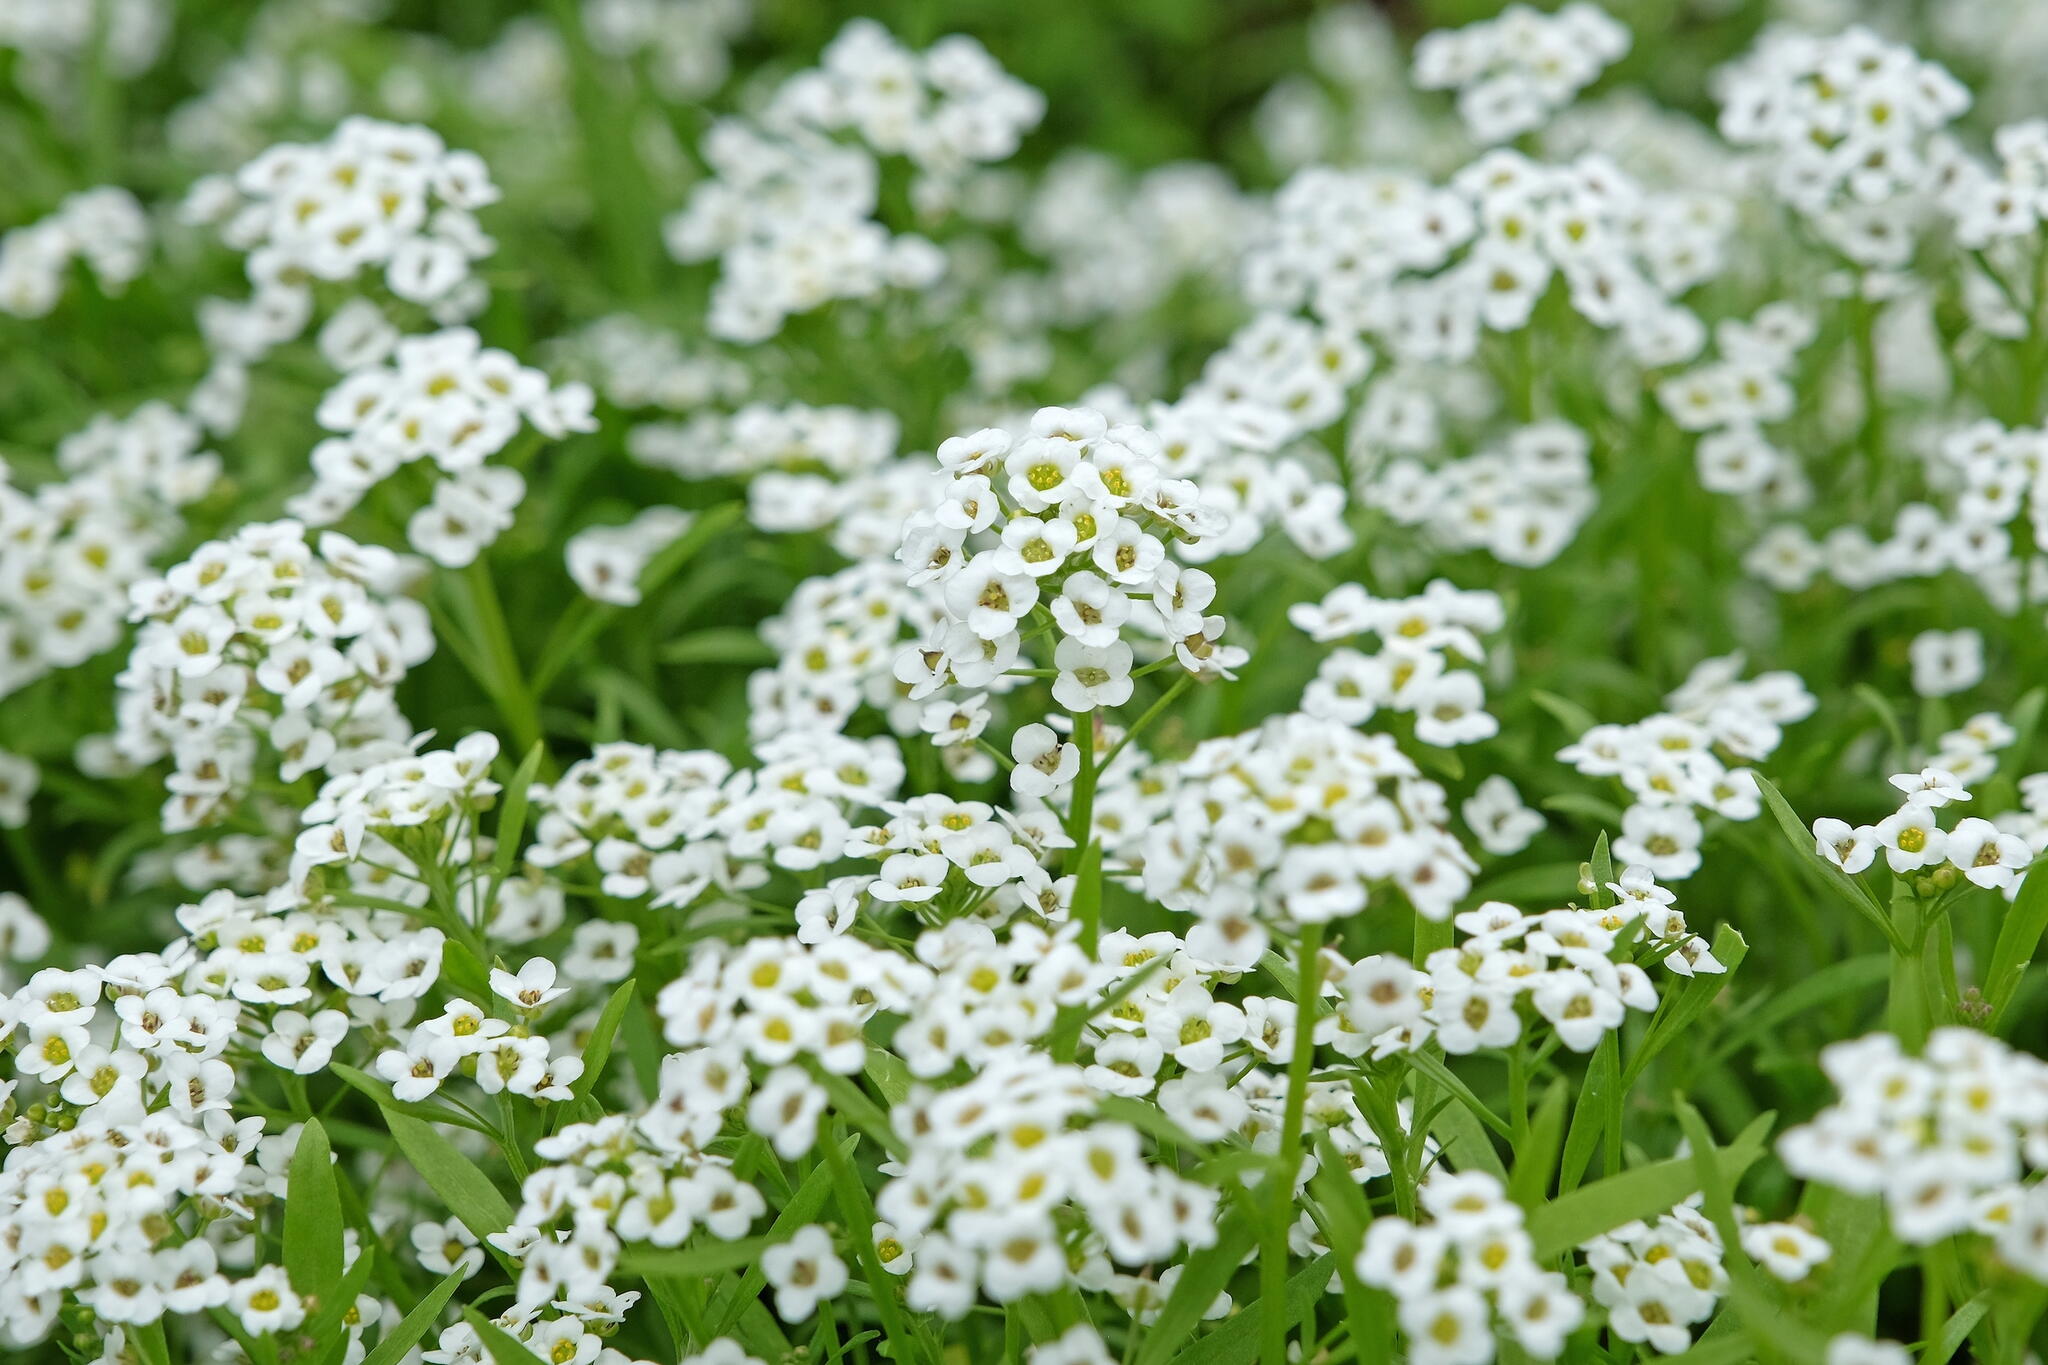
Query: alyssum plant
x=672, y=695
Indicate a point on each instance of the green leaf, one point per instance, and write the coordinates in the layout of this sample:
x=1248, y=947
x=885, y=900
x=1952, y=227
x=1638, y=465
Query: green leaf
x=1850, y=890
x=391, y=1348
x=381, y=1094
x=1573, y=1219
x=889, y=1074
x=467, y=1191
x=1602, y=866
x=852, y=1102
x=709, y=1258
x=1206, y=1274
x=1592, y=809
x=1550, y=883
x=802, y=1208
x=1236, y=1342
x=598, y=1050
x=1599, y=1097
x=1432, y=1066
x=1881, y=706
x=1575, y=718
x=512, y=816
x=149, y=1343
x=1690, y=1002
x=859, y=1212
x=1462, y=1137
x=312, y=1215
x=719, y=645
x=1340, y=1209
x=1772, y=1011
x=2019, y=937
x=1536, y=1156
x=336, y=1300
x=1776, y=1333
x=505, y=1348
x=1957, y=1330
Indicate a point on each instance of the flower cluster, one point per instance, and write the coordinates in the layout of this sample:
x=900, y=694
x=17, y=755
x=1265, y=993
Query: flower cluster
x=1522, y=504
x=997, y=1165
x=681, y=826
x=1300, y=821
x=1657, y=1280
x=1728, y=400
x=1985, y=475
x=1415, y=671
x=105, y=228
x=1571, y=967
x=1672, y=764
x=374, y=196
x=1513, y=71
x=1082, y=516
x=71, y=548
x=1427, y=269
x=606, y=561
x=1470, y=1266
x=1912, y=840
x=266, y=644
x=1848, y=127
x=444, y=398
x=1944, y=1138
x=790, y=212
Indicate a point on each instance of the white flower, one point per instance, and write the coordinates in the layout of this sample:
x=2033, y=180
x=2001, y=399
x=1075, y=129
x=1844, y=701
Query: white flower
x=802, y=1271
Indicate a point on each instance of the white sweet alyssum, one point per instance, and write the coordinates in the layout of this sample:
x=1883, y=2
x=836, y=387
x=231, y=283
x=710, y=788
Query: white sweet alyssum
x=811, y=706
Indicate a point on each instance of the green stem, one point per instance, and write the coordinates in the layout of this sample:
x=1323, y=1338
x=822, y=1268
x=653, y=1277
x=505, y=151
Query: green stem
x=1273, y=1255
x=1151, y=714
x=1081, y=806
x=1906, y=1000
x=494, y=638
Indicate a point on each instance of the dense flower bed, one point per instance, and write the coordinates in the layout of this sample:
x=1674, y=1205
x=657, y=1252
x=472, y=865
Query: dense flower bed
x=690, y=681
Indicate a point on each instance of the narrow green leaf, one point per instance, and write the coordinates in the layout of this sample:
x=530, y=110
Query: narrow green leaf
x=1575, y=718
x=1957, y=1330
x=466, y=1190
x=707, y=1258
x=1773, y=1011
x=598, y=1050
x=1881, y=706
x=1589, y=1115
x=505, y=1348
x=2019, y=938
x=337, y=1299
x=1850, y=890
x=1777, y=1333
x=859, y=1212
x=1236, y=1342
x=512, y=815
x=1340, y=1209
x=1461, y=1136
x=391, y=1348
x=1536, y=1157
x=1206, y=1274
x=719, y=645
x=312, y=1215
x=1550, y=883
x=149, y=1343
x=1433, y=1066
x=1683, y=1012
x=381, y=1094
x=1602, y=868
x=802, y=1208
x=889, y=1074
x=1574, y=1218
x=853, y=1103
